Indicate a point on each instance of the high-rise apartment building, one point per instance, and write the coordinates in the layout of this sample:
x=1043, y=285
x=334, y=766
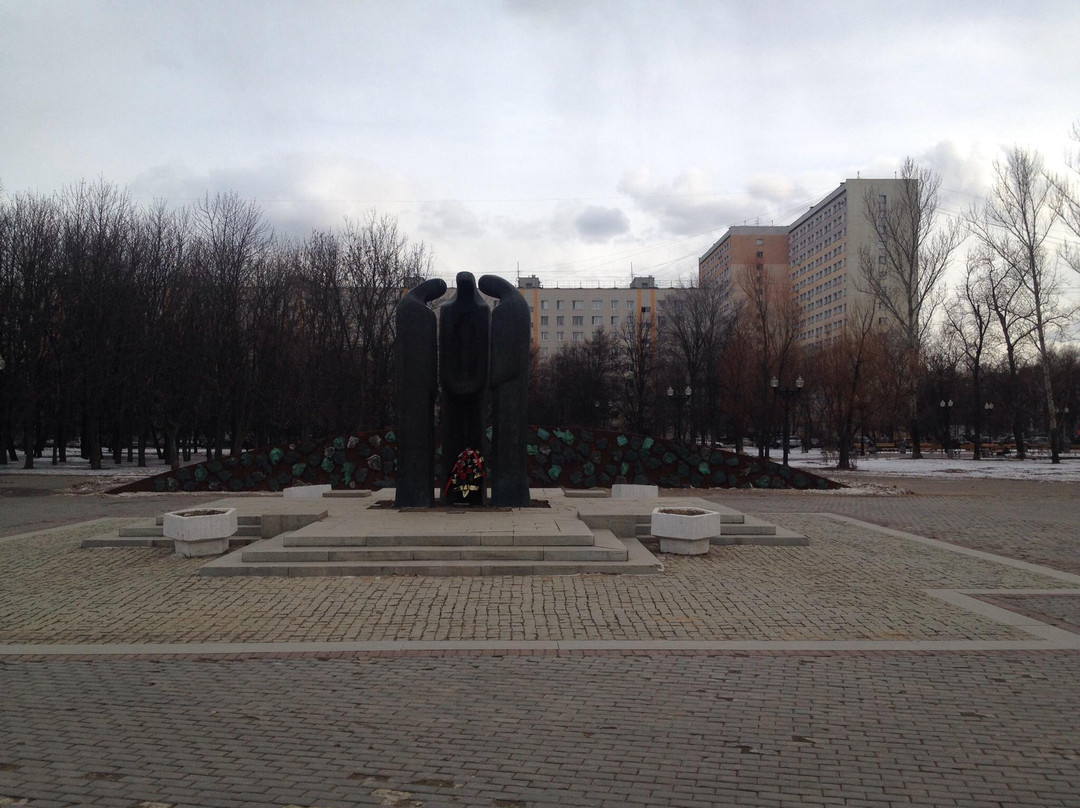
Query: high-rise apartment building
x=746, y=256
x=822, y=262
x=823, y=255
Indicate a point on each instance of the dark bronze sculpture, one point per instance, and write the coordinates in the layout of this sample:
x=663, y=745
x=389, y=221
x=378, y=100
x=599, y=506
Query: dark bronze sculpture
x=508, y=379
x=477, y=350
x=463, y=375
x=416, y=385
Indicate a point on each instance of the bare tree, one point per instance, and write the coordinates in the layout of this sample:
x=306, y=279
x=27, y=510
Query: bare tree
x=378, y=262
x=637, y=359
x=1066, y=201
x=904, y=271
x=771, y=323
x=969, y=318
x=695, y=331
x=29, y=267
x=840, y=379
x=1014, y=226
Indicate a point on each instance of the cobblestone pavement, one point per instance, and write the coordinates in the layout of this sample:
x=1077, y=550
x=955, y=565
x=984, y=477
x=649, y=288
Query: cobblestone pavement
x=1032, y=521
x=958, y=729
x=506, y=729
x=847, y=585
x=1057, y=610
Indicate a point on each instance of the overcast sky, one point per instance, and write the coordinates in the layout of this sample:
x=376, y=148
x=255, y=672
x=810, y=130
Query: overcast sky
x=572, y=140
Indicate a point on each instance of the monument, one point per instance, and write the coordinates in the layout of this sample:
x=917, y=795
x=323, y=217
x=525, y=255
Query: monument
x=477, y=350
x=416, y=385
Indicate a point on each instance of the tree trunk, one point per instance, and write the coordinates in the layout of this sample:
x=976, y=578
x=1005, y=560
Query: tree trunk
x=28, y=443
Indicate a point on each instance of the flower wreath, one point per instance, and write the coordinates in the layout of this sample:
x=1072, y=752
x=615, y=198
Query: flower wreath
x=467, y=474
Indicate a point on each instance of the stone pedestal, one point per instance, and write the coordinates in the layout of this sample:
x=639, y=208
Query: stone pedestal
x=684, y=531
x=630, y=491
x=306, y=491
x=200, y=531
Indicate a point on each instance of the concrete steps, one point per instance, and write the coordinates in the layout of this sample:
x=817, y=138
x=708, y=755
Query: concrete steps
x=739, y=529
x=271, y=557
x=605, y=548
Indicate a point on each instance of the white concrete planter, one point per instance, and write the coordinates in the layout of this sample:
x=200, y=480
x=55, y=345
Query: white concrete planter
x=200, y=531
x=684, y=531
x=630, y=491
x=306, y=491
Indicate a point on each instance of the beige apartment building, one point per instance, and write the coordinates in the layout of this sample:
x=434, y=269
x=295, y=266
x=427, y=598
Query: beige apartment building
x=822, y=264
x=563, y=316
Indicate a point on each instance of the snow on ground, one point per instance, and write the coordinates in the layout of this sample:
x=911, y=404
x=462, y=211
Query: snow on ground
x=888, y=465
x=934, y=465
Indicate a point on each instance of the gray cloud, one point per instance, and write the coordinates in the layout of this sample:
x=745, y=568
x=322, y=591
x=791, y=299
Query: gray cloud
x=596, y=224
x=448, y=219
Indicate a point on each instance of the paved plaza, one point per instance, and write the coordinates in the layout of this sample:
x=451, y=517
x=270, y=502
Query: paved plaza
x=924, y=649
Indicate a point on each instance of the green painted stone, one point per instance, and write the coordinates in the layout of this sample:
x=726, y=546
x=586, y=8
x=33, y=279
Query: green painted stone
x=531, y=449
x=733, y=460
x=554, y=472
x=588, y=468
x=623, y=468
x=647, y=444
x=339, y=443
x=669, y=457
x=276, y=454
x=622, y=440
x=390, y=436
x=200, y=473
x=566, y=437
x=543, y=434
x=327, y=465
x=298, y=469
x=762, y=481
x=375, y=441
x=183, y=475
x=246, y=459
x=703, y=467
x=487, y=433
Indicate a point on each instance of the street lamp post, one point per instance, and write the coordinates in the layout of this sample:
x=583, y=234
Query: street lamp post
x=988, y=410
x=946, y=407
x=677, y=399
x=787, y=394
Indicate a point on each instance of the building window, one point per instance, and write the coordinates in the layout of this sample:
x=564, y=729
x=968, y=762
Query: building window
x=558, y=304
x=579, y=319
x=761, y=242
x=543, y=352
x=614, y=319
x=560, y=336
x=614, y=305
x=645, y=309
x=544, y=305
x=543, y=319
x=629, y=305
x=579, y=336
x=560, y=319
x=597, y=320
x=544, y=336
x=760, y=254
x=578, y=305
x=597, y=305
